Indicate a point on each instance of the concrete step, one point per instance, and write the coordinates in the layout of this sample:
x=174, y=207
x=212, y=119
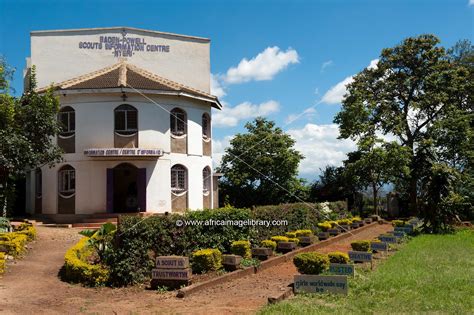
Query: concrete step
x=90, y=226
x=99, y=220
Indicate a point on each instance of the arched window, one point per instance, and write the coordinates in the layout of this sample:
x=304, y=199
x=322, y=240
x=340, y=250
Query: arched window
x=179, y=178
x=178, y=122
x=67, y=180
x=206, y=126
x=206, y=180
x=67, y=119
x=126, y=120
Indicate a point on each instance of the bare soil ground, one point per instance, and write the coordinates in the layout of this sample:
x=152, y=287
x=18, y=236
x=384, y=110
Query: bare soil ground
x=31, y=285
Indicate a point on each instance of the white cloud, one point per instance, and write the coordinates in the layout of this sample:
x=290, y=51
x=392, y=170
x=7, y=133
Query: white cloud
x=216, y=88
x=218, y=149
x=262, y=67
x=325, y=65
x=231, y=116
x=320, y=146
x=335, y=94
x=471, y=2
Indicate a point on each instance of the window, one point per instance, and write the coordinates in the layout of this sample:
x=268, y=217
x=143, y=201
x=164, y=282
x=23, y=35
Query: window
x=38, y=183
x=178, y=122
x=206, y=126
x=178, y=179
x=126, y=120
x=206, y=180
x=67, y=180
x=67, y=119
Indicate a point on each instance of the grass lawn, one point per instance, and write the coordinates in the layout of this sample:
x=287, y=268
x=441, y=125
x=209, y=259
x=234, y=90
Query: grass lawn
x=430, y=274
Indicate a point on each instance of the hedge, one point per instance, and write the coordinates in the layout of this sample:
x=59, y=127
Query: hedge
x=338, y=257
x=362, y=246
x=311, y=263
x=78, y=270
x=241, y=248
x=204, y=260
x=139, y=240
x=269, y=244
x=13, y=242
x=2, y=262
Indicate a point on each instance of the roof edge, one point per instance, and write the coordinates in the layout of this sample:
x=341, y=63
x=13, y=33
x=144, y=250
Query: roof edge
x=44, y=32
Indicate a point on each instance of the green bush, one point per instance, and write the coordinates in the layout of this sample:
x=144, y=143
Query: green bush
x=204, y=260
x=13, y=242
x=241, y=248
x=361, y=246
x=338, y=257
x=300, y=233
x=311, y=263
x=324, y=226
x=290, y=234
x=77, y=269
x=269, y=244
x=279, y=238
x=2, y=262
x=398, y=223
x=344, y=221
x=294, y=240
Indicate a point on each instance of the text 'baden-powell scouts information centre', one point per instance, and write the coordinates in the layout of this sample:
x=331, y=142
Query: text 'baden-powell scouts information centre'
x=136, y=122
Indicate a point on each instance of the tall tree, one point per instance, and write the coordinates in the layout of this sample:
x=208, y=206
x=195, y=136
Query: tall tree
x=260, y=167
x=27, y=127
x=414, y=86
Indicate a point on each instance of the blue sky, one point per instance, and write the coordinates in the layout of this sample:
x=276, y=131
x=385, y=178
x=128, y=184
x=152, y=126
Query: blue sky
x=275, y=58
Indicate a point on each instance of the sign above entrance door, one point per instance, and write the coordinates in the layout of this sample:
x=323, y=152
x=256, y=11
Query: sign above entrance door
x=118, y=152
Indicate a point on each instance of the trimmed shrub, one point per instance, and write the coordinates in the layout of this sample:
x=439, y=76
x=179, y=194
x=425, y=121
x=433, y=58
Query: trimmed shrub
x=78, y=270
x=269, y=244
x=27, y=229
x=290, y=234
x=324, y=226
x=2, y=262
x=361, y=246
x=338, y=257
x=294, y=240
x=398, y=223
x=13, y=242
x=204, y=260
x=241, y=248
x=356, y=219
x=311, y=263
x=344, y=222
x=279, y=238
x=300, y=233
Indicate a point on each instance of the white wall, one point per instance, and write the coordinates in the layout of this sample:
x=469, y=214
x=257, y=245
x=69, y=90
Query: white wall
x=57, y=56
x=95, y=129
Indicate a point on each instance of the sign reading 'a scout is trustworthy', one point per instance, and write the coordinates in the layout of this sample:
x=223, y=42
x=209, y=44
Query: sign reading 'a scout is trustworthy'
x=171, y=274
x=388, y=238
x=360, y=256
x=321, y=284
x=379, y=246
x=172, y=262
x=342, y=269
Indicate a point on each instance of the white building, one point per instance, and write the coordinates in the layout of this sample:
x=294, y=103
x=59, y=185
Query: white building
x=136, y=116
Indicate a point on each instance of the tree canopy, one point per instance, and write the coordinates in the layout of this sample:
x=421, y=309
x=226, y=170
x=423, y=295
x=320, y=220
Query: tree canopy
x=260, y=167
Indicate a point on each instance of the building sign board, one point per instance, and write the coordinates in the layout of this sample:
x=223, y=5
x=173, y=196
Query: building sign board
x=119, y=152
x=123, y=46
x=321, y=284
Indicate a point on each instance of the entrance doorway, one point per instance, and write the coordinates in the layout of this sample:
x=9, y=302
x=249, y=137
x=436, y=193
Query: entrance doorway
x=126, y=189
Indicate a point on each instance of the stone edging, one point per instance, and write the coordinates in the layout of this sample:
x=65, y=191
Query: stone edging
x=266, y=264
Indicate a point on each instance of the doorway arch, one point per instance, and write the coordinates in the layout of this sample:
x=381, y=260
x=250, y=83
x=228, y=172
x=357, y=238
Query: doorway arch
x=126, y=189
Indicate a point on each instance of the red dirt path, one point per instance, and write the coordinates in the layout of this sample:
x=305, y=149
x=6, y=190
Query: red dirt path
x=31, y=285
